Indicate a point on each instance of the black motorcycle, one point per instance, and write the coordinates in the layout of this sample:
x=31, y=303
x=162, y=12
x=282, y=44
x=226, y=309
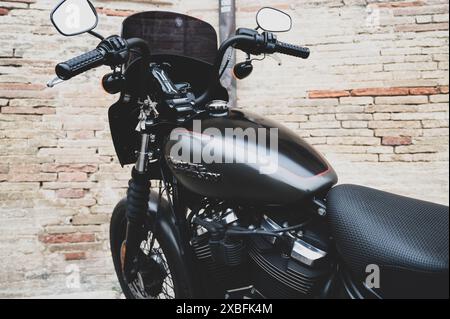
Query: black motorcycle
x=241, y=207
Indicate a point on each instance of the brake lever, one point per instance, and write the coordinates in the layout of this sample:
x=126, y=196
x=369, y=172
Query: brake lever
x=54, y=82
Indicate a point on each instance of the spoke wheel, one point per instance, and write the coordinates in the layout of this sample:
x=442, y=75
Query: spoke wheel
x=153, y=279
x=161, y=274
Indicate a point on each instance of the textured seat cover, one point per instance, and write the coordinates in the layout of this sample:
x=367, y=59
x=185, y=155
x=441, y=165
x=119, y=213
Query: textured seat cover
x=406, y=238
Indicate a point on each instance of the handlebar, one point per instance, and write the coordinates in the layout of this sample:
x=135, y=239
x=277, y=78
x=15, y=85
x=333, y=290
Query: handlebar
x=73, y=67
x=251, y=42
x=292, y=50
x=115, y=51
x=111, y=51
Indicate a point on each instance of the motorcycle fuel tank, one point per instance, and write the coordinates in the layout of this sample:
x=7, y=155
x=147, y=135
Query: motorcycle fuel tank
x=246, y=158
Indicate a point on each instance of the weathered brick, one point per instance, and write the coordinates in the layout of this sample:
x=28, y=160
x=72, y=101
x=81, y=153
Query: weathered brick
x=322, y=118
x=396, y=141
x=22, y=86
x=324, y=94
x=42, y=177
x=70, y=193
x=354, y=117
x=356, y=100
x=424, y=90
x=380, y=150
x=435, y=157
x=413, y=149
x=398, y=132
x=75, y=256
x=72, y=177
x=396, y=157
x=421, y=27
x=69, y=168
x=353, y=141
x=382, y=116
x=90, y=219
x=411, y=66
x=355, y=124
x=80, y=135
x=420, y=116
x=435, y=123
x=435, y=132
x=28, y=110
x=443, y=98
x=88, y=124
x=380, y=92
x=320, y=125
x=394, y=124
x=114, y=12
x=444, y=89
x=418, y=99
x=67, y=238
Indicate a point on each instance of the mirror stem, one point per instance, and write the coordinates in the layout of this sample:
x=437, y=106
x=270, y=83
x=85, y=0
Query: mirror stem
x=97, y=35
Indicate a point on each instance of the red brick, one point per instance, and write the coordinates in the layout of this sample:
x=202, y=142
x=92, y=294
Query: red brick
x=323, y=94
x=424, y=91
x=72, y=177
x=75, y=256
x=396, y=140
x=70, y=193
x=67, y=238
x=380, y=92
x=3, y=11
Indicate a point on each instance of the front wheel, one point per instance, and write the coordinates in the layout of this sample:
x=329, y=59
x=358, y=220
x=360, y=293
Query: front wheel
x=157, y=277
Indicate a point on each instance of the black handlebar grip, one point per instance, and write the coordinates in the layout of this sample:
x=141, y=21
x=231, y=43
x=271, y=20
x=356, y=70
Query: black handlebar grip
x=293, y=50
x=73, y=67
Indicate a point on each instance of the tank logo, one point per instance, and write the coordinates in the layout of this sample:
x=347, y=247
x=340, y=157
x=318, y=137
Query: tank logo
x=256, y=147
x=193, y=170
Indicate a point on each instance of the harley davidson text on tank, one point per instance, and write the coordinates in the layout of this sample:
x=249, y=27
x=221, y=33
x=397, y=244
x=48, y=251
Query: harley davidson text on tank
x=243, y=207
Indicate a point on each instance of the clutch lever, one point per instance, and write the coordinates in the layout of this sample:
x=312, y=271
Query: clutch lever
x=54, y=82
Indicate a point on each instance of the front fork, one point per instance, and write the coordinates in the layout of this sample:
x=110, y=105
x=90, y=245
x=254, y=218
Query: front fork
x=138, y=195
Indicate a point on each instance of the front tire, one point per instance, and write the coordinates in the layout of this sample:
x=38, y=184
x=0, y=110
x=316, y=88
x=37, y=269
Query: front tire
x=173, y=287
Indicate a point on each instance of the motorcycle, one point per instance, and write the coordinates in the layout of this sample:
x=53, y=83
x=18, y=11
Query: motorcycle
x=224, y=203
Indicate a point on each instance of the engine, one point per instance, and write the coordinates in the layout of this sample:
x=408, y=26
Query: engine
x=247, y=254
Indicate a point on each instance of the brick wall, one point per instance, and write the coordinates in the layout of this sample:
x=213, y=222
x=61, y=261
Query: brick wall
x=373, y=93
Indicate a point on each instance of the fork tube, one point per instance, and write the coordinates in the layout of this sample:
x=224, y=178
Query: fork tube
x=143, y=155
x=138, y=195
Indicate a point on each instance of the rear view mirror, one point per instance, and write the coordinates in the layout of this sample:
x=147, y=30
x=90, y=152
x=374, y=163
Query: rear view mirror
x=73, y=17
x=273, y=20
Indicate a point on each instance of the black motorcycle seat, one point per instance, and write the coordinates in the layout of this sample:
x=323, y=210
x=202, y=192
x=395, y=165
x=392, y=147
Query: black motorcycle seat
x=407, y=239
